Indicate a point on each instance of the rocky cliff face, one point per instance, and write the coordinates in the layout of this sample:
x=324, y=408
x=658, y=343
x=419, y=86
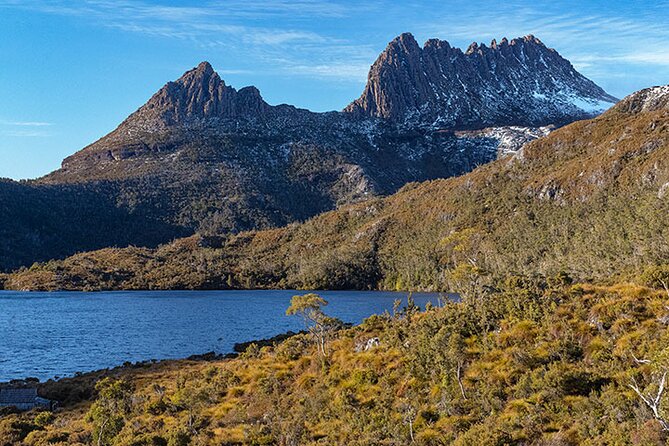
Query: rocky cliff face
x=517, y=82
x=201, y=156
x=201, y=94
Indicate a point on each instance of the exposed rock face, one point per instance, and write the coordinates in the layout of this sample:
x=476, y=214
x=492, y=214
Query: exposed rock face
x=649, y=99
x=365, y=345
x=521, y=82
x=201, y=94
x=201, y=156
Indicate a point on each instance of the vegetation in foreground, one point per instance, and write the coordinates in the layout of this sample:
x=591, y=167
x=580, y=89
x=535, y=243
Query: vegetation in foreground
x=518, y=362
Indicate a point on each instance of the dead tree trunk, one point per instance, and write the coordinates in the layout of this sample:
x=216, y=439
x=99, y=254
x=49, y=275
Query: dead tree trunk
x=458, y=375
x=653, y=403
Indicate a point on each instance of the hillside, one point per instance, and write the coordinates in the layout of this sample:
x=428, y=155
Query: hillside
x=590, y=200
x=203, y=157
x=535, y=364
x=40, y=221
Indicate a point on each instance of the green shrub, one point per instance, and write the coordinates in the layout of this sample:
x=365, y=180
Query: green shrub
x=43, y=419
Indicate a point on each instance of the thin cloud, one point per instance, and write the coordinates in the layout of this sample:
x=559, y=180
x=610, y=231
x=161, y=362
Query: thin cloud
x=641, y=57
x=233, y=71
x=648, y=57
x=578, y=36
x=274, y=8
x=341, y=71
x=218, y=14
x=24, y=129
x=217, y=25
x=25, y=123
x=24, y=133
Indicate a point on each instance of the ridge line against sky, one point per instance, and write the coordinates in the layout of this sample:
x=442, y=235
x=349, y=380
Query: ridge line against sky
x=79, y=68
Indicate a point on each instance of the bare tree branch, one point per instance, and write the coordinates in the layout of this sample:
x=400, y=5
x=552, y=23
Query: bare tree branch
x=654, y=403
x=640, y=361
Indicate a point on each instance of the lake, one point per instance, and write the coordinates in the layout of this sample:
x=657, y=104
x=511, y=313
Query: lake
x=48, y=335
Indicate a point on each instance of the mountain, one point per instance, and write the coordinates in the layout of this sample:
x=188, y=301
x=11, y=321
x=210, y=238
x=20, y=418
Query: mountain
x=590, y=200
x=521, y=82
x=203, y=157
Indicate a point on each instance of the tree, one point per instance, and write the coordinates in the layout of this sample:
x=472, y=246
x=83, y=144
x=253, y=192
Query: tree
x=109, y=410
x=461, y=247
x=654, y=400
x=309, y=308
x=657, y=277
x=652, y=395
x=474, y=286
x=409, y=417
x=191, y=396
x=457, y=351
x=469, y=281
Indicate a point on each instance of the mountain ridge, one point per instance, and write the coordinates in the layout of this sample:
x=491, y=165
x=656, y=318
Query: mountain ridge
x=203, y=157
x=516, y=76
x=589, y=200
x=200, y=101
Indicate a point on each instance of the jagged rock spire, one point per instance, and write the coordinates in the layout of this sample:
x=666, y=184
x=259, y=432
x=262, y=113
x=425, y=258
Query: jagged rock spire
x=201, y=94
x=522, y=81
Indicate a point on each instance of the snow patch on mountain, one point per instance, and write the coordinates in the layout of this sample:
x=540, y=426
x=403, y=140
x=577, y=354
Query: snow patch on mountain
x=656, y=94
x=507, y=140
x=590, y=105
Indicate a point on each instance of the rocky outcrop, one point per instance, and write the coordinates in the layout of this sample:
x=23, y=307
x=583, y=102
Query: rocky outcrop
x=517, y=82
x=649, y=99
x=201, y=94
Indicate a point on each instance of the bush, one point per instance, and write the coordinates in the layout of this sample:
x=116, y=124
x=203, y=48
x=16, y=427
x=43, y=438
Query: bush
x=292, y=348
x=178, y=437
x=656, y=277
x=43, y=419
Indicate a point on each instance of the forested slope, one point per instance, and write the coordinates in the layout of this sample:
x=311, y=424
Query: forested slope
x=591, y=199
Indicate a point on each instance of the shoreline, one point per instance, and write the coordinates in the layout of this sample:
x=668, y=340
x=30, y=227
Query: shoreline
x=229, y=352
x=211, y=356
x=301, y=290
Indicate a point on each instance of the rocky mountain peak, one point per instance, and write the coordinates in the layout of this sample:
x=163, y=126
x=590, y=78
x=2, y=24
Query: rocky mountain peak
x=531, y=39
x=204, y=67
x=517, y=82
x=406, y=41
x=473, y=47
x=199, y=95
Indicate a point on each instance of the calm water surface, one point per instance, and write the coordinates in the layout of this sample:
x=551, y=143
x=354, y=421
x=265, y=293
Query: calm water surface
x=57, y=334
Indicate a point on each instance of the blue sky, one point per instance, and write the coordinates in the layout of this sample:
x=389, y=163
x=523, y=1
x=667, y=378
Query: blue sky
x=71, y=71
